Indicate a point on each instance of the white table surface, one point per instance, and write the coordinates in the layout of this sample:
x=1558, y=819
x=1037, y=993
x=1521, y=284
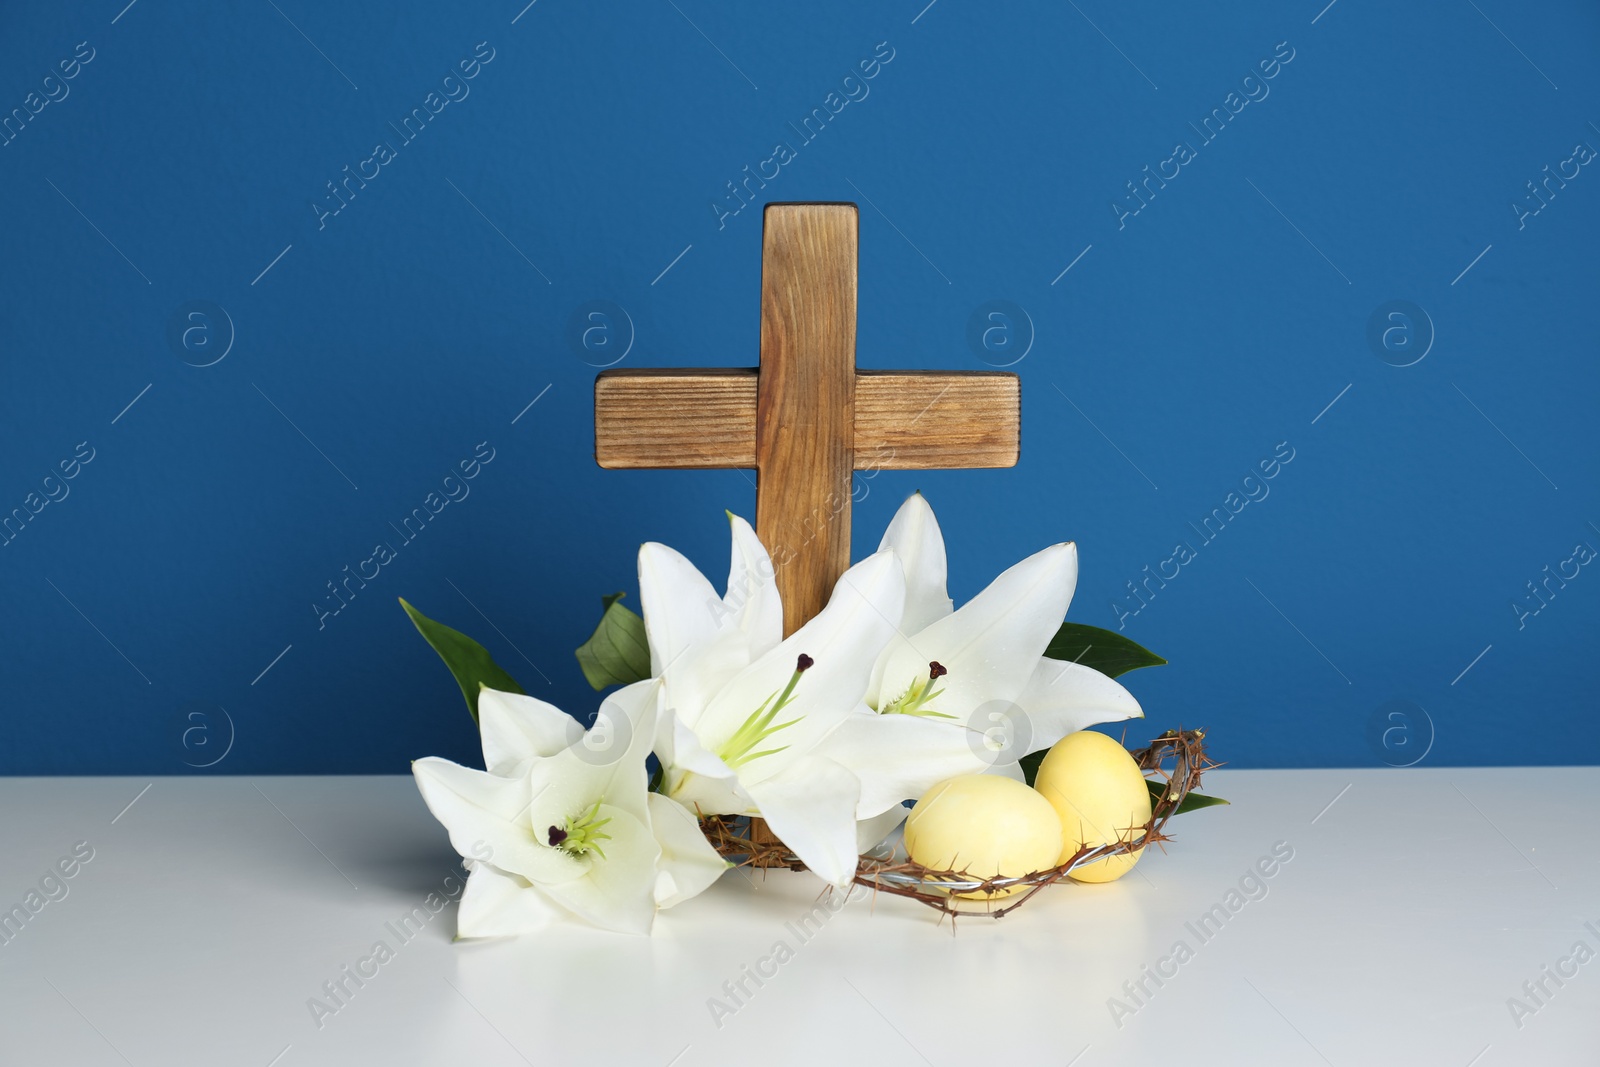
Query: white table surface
x=213, y=909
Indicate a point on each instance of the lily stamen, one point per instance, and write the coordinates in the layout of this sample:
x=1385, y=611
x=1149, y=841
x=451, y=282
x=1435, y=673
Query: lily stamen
x=583, y=833
x=914, y=700
x=736, y=752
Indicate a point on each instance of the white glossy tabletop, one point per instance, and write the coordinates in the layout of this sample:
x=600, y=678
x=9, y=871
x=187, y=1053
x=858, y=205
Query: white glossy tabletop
x=1423, y=916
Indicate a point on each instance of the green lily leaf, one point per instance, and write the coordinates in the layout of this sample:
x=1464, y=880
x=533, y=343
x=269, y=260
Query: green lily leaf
x=1191, y=802
x=469, y=661
x=1105, y=650
x=617, y=653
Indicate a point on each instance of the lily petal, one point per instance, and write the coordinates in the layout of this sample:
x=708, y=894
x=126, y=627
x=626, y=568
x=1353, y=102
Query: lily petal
x=482, y=811
x=811, y=806
x=914, y=535
x=617, y=892
x=695, y=777
x=681, y=609
x=713, y=795
x=517, y=728
x=563, y=787
x=688, y=865
x=901, y=757
x=991, y=644
x=697, y=641
x=1062, y=697
x=612, y=752
x=497, y=904
x=844, y=640
x=752, y=597
x=690, y=756
x=870, y=833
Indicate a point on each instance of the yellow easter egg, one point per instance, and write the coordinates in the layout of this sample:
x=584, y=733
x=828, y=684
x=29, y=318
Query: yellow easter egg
x=1098, y=792
x=986, y=826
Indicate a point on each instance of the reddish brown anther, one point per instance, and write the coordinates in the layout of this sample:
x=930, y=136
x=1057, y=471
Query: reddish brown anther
x=936, y=670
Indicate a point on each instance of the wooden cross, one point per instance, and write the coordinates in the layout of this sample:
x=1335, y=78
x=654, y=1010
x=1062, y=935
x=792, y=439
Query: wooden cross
x=806, y=418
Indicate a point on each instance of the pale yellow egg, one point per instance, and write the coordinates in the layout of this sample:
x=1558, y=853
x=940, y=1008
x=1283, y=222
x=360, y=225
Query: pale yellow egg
x=986, y=826
x=1099, y=793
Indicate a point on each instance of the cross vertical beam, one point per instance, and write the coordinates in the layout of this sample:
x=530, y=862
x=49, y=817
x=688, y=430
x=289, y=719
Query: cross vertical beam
x=805, y=400
x=806, y=417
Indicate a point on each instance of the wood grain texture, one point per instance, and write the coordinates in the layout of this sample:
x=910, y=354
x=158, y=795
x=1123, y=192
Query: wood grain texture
x=675, y=419
x=805, y=400
x=703, y=419
x=933, y=420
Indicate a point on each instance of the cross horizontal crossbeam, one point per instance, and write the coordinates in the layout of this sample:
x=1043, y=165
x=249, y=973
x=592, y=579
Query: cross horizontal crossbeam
x=702, y=419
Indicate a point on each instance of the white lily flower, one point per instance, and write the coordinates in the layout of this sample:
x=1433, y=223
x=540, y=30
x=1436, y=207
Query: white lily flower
x=745, y=716
x=969, y=690
x=561, y=823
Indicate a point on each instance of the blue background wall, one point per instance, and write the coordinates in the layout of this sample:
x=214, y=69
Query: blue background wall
x=374, y=349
